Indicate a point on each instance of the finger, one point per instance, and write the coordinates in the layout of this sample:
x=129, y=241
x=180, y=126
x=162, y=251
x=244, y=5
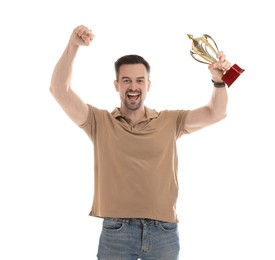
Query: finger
x=90, y=35
x=219, y=66
x=80, y=30
x=222, y=57
x=87, y=40
x=220, y=54
x=216, y=65
x=222, y=63
x=226, y=65
x=87, y=36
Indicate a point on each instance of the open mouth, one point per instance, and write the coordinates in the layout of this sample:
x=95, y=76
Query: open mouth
x=133, y=96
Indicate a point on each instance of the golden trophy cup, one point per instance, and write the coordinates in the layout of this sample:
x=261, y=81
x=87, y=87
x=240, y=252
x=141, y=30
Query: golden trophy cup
x=204, y=50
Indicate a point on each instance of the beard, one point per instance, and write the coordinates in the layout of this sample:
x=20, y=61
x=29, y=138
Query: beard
x=132, y=105
x=132, y=102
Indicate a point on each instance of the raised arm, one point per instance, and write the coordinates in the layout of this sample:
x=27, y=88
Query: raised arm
x=60, y=86
x=215, y=110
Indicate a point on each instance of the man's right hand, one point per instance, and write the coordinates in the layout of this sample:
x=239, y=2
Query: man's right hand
x=81, y=36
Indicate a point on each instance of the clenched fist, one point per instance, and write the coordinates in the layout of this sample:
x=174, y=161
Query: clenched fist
x=218, y=68
x=81, y=35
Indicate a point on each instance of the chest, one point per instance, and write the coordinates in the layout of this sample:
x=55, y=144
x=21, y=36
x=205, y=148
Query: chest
x=148, y=138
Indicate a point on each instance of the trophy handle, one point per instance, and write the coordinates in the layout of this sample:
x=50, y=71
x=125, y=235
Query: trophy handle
x=209, y=45
x=202, y=51
x=195, y=58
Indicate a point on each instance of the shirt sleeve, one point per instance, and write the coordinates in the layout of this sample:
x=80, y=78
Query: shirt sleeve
x=180, y=127
x=89, y=125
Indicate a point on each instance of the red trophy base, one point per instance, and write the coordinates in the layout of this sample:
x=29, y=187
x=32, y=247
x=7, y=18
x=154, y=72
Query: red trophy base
x=232, y=74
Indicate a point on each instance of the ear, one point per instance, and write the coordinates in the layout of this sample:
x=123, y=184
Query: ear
x=116, y=85
x=149, y=85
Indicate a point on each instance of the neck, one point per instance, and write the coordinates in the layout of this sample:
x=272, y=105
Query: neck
x=133, y=115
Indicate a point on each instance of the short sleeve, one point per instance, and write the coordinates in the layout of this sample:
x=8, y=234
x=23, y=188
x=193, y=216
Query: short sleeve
x=182, y=114
x=89, y=125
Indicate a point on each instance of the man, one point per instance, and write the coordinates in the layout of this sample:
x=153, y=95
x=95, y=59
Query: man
x=135, y=156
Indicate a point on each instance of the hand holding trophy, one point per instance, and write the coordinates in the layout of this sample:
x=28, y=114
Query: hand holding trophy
x=205, y=52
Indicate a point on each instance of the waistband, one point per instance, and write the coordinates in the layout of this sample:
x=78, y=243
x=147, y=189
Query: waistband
x=142, y=221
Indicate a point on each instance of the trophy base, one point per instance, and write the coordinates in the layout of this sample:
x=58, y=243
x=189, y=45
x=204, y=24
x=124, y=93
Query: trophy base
x=232, y=74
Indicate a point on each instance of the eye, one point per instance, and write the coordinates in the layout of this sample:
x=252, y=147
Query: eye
x=126, y=81
x=140, y=81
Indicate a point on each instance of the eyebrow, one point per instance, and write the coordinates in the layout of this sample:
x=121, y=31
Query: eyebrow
x=136, y=78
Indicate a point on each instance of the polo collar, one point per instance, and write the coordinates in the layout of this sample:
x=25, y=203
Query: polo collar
x=150, y=113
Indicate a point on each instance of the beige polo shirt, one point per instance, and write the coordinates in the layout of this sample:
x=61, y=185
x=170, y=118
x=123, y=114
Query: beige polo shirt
x=135, y=165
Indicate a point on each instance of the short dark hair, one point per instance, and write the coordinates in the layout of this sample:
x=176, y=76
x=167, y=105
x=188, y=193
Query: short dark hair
x=131, y=59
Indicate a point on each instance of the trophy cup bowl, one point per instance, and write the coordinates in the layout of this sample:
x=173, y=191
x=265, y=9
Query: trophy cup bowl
x=204, y=50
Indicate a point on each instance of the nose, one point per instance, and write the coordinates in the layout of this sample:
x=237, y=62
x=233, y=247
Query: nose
x=133, y=90
x=133, y=87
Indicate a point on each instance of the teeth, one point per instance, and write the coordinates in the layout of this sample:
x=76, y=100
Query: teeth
x=133, y=94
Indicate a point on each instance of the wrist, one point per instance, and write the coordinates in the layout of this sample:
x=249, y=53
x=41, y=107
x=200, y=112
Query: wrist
x=73, y=45
x=218, y=84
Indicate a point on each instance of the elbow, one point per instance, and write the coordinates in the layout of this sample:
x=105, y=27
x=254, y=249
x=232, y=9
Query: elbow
x=224, y=114
x=57, y=91
x=51, y=89
x=220, y=116
x=217, y=115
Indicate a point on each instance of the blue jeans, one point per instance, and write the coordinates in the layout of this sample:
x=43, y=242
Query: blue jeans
x=132, y=239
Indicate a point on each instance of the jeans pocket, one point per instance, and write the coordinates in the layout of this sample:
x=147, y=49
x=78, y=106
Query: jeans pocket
x=111, y=224
x=168, y=226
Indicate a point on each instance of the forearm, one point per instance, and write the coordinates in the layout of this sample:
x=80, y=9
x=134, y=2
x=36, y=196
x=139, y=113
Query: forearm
x=61, y=77
x=219, y=98
x=218, y=103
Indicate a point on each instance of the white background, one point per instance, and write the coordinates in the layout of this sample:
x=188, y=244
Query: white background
x=226, y=171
